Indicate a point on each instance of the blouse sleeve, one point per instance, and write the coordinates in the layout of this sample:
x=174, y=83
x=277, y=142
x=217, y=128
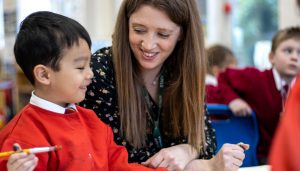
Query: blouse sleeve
x=101, y=93
x=210, y=135
x=101, y=97
x=210, y=139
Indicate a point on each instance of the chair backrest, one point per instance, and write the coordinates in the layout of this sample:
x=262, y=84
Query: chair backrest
x=233, y=129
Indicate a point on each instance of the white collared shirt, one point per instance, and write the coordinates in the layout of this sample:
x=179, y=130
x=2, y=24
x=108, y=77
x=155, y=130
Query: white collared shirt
x=211, y=80
x=278, y=81
x=47, y=105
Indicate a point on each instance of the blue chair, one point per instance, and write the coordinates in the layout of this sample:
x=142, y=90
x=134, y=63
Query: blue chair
x=233, y=129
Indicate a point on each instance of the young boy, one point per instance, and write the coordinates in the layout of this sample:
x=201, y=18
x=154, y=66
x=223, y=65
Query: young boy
x=219, y=58
x=264, y=91
x=54, y=53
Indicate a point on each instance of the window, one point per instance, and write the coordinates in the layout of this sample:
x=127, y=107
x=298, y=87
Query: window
x=254, y=24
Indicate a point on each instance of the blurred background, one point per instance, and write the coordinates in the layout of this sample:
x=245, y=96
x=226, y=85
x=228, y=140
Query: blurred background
x=245, y=26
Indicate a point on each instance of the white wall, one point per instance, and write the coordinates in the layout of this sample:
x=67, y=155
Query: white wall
x=97, y=16
x=289, y=13
x=100, y=18
x=219, y=29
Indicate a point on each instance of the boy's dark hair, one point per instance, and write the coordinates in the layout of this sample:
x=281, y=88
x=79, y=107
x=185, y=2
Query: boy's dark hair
x=42, y=38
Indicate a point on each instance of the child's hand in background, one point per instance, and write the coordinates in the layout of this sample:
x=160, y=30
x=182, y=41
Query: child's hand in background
x=240, y=108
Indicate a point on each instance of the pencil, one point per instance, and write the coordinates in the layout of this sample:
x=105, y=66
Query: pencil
x=244, y=146
x=32, y=150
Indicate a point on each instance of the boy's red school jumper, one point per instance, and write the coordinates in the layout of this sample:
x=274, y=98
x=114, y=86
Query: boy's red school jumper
x=87, y=143
x=258, y=89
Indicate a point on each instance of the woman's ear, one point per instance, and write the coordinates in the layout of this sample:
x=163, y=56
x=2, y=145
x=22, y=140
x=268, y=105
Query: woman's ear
x=180, y=37
x=42, y=74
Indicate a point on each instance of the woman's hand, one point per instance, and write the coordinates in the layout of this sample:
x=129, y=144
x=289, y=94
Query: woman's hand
x=229, y=158
x=21, y=161
x=239, y=107
x=174, y=158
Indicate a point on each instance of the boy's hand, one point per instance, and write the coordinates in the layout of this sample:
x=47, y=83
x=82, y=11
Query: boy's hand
x=21, y=161
x=239, y=107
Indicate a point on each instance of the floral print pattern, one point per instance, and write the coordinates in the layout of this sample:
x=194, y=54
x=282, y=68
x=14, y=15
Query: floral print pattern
x=102, y=98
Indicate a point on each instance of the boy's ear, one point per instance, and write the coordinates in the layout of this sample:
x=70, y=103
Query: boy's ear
x=271, y=58
x=41, y=74
x=215, y=70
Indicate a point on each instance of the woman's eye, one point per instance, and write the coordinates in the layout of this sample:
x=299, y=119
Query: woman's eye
x=139, y=30
x=163, y=35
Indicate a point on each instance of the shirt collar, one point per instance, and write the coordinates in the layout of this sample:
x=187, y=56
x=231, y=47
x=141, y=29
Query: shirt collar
x=47, y=105
x=278, y=81
x=211, y=80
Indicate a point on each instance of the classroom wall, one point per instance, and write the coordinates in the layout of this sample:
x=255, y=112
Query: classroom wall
x=100, y=17
x=219, y=24
x=289, y=14
x=219, y=27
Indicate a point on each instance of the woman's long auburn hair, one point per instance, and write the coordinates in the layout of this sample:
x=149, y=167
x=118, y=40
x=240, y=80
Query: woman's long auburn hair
x=183, y=106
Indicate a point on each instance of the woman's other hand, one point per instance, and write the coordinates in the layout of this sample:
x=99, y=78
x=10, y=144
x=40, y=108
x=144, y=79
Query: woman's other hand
x=229, y=158
x=174, y=158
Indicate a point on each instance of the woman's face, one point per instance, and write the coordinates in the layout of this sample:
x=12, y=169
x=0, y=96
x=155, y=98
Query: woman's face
x=152, y=37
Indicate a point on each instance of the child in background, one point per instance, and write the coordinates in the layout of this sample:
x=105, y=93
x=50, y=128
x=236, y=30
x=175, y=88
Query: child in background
x=264, y=92
x=219, y=58
x=54, y=53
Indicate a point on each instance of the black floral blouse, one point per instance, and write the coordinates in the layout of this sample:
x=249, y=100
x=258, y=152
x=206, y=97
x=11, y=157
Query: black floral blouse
x=102, y=98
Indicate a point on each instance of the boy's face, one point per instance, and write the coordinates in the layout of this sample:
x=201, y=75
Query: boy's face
x=69, y=84
x=286, y=58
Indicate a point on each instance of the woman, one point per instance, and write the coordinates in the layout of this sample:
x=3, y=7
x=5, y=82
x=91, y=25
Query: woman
x=149, y=87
